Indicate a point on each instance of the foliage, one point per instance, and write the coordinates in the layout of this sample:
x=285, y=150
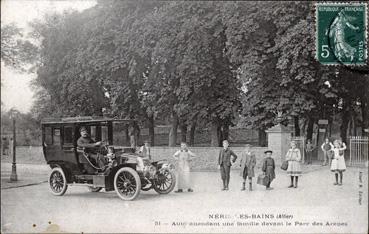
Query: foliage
x=16, y=51
x=187, y=62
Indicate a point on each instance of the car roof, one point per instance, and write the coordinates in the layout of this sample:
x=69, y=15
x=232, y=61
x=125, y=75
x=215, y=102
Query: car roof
x=83, y=119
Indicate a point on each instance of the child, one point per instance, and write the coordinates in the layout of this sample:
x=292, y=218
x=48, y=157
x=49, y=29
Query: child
x=293, y=157
x=269, y=168
x=338, y=165
x=144, y=151
x=309, y=151
x=184, y=156
x=225, y=159
x=327, y=146
x=247, y=163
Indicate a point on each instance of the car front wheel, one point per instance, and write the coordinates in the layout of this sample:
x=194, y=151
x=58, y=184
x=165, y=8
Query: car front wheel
x=164, y=182
x=127, y=183
x=57, y=182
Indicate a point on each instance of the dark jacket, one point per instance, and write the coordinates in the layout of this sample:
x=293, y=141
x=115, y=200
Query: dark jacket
x=269, y=167
x=225, y=157
x=88, y=143
x=248, y=160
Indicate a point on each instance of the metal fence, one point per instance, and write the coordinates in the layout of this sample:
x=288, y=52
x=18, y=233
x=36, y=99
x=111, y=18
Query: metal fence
x=359, y=151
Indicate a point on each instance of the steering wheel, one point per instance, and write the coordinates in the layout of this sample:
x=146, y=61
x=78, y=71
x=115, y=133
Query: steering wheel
x=103, y=148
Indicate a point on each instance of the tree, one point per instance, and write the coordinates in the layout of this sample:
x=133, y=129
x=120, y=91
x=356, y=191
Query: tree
x=69, y=89
x=16, y=51
x=191, y=56
x=277, y=65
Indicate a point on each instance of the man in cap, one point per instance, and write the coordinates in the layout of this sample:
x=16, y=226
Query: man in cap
x=90, y=146
x=247, y=164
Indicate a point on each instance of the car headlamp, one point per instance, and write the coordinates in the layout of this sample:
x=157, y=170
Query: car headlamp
x=149, y=171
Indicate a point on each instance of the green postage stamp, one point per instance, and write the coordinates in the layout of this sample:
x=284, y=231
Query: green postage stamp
x=341, y=33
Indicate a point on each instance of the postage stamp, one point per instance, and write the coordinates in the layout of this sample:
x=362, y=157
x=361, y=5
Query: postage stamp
x=341, y=33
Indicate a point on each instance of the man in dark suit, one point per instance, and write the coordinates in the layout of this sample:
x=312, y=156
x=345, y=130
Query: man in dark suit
x=226, y=155
x=90, y=146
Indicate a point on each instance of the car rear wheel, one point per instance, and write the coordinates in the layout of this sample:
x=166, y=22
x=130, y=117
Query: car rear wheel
x=94, y=189
x=164, y=182
x=57, y=181
x=127, y=183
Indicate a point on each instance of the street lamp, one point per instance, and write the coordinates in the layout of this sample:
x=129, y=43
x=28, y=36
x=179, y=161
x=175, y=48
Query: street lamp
x=13, y=176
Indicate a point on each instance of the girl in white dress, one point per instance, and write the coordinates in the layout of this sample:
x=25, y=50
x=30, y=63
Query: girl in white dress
x=338, y=165
x=293, y=157
x=183, y=156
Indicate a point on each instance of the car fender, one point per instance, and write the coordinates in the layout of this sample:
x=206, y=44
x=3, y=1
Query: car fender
x=109, y=182
x=67, y=172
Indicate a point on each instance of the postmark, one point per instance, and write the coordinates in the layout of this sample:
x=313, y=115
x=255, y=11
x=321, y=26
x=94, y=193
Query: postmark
x=341, y=33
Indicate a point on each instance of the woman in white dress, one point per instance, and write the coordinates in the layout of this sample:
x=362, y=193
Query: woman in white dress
x=183, y=157
x=338, y=165
x=293, y=157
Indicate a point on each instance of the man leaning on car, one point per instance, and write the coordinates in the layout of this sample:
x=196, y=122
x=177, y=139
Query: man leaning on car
x=90, y=146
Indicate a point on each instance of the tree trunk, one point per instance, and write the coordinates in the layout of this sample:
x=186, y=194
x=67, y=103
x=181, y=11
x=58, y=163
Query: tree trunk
x=364, y=100
x=137, y=133
x=297, y=125
x=225, y=132
x=192, y=133
x=365, y=116
x=184, y=133
x=345, y=121
x=350, y=127
x=262, y=137
x=310, y=129
x=173, y=130
x=214, y=134
x=220, y=135
x=128, y=141
x=151, y=130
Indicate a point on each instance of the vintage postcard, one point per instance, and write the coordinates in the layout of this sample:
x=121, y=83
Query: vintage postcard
x=135, y=116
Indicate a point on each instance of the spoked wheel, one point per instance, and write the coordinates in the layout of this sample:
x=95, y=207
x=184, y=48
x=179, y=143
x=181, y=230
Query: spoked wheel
x=94, y=189
x=57, y=182
x=127, y=183
x=164, y=182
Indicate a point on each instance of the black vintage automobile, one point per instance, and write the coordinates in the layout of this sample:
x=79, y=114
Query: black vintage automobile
x=71, y=165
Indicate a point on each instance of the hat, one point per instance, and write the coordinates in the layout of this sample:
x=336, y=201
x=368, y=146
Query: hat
x=82, y=129
x=268, y=151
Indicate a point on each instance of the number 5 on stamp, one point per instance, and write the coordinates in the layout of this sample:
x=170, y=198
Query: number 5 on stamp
x=341, y=33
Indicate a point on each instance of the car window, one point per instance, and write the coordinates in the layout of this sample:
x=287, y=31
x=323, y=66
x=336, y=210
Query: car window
x=93, y=133
x=48, y=136
x=68, y=135
x=104, y=133
x=56, y=136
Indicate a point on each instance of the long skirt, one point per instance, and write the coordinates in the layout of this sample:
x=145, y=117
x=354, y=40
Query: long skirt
x=183, y=179
x=294, y=168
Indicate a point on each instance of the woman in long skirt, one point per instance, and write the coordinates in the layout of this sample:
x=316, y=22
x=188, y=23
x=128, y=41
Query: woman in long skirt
x=293, y=157
x=338, y=165
x=184, y=156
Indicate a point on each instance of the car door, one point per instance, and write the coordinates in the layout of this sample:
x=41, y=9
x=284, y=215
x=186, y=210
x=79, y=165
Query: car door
x=52, y=143
x=68, y=145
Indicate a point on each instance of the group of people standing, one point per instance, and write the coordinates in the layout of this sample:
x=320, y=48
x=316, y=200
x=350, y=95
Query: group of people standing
x=333, y=153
